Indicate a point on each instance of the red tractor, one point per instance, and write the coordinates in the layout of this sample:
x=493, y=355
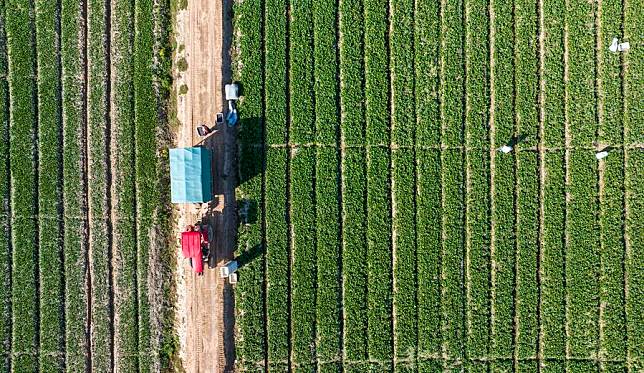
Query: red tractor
x=195, y=245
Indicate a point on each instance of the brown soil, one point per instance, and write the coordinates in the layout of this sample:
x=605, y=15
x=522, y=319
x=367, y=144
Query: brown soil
x=205, y=309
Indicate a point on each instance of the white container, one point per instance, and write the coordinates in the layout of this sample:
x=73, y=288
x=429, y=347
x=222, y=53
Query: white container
x=614, y=45
x=232, y=278
x=601, y=155
x=623, y=47
x=505, y=149
x=232, y=92
x=228, y=269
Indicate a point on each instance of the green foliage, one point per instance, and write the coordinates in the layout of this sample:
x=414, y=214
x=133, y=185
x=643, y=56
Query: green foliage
x=302, y=120
x=379, y=272
x=404, y=240
x=329, y=250
x=249, y=293
x=182, y=64
x=503, y=257
x=429, y=214
x=581, y=105
x=427, y=28
x=582, y=259
x=303, y=276
x=553, y=73
x=634, y=258
x=352, y=80
x=453, y=248
x=553, y=314
x=51, y=334
x=633, y=75
x=611, y=256
x=527, y=216
x=354, y=269
x=277, y=254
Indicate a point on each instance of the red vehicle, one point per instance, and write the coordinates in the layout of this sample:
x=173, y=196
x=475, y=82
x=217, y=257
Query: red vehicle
x=195, y=246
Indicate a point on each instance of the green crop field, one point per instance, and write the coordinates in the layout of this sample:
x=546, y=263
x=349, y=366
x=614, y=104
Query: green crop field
x=81, y=118
x=390, y=233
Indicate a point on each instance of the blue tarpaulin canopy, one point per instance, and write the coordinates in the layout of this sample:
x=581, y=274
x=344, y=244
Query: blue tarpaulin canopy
x=190, y=175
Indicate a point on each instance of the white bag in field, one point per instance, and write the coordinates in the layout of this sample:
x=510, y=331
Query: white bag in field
x=601, y=155
x=623, y=47
x=505, y=149
x=614, y=45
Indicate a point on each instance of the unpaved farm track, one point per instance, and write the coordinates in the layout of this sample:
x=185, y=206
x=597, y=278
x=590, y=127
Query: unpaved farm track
x=205, y=310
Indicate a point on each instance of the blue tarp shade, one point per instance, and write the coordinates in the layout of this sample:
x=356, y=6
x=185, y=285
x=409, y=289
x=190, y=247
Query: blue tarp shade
x=190, y=175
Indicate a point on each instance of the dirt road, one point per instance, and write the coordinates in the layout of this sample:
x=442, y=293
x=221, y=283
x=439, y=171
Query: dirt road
x=205, y=309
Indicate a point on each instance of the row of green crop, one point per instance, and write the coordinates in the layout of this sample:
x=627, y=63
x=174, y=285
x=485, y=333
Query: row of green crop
x=610, y=101
x=553, y=315
x=49, y=188
x=302, y=120
x=352, y=80
x=582, y=259
x=581, y=103
x=633, y=75
x=75, y=243
x=427, y=27
x=477, y=258
x=527, y=246
x=478, y=253
x=428, y=252
x=378, y=192
x=453, y=249
x=376, y=89
x=329, y=250
x=452, y=73
x=354, y=268
x=145, y=112
x=98, y=189
x=404, y=248
x=401, y=42
x=611, y=256
x=526, y=73
x=327, y=187
x=250, y=338
x=126, y=295
x=277, y=230
x=634, y=258
x=553, y=73
x=277, y=255
x=503, y=238
x=379, y=255
x=503, y=257
x=22, y=114
x=303, y=269
x=634, y=134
